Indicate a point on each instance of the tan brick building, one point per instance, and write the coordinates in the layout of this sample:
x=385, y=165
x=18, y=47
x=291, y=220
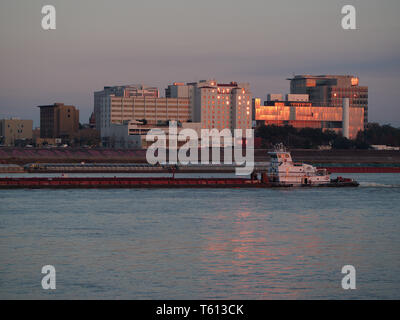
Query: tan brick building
x=118, y=105
x=15, y=129
x=58, y=121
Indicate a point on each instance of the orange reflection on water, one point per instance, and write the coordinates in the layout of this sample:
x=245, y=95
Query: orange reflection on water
x=255, y=259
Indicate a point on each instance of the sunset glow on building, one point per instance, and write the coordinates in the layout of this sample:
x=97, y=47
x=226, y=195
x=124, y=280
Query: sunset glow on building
x=304, y=115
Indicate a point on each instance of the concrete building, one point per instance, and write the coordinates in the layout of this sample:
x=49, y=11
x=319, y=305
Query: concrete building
x=58, y=121
x=14, y=129
x=300, y=114
x=132, y=134
x=119, y=137
x=177, y=90
x=119, y=105
x=297, y=97
x=216, y=105
x=143, y=131
x=329, y=91
x=256, y=102
x=211, y=104
x=275, y=97
x=102, y=98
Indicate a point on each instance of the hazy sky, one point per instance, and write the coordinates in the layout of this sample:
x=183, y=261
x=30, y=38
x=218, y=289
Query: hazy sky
x=263, y=42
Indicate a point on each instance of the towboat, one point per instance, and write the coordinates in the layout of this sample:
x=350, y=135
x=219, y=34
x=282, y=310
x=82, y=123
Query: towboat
x=283, y=172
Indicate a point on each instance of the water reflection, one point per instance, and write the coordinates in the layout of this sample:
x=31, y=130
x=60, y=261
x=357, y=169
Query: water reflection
x=255, y=256
x=199, y=244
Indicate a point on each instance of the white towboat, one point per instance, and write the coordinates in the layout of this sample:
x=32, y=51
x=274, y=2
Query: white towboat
x=284, y=172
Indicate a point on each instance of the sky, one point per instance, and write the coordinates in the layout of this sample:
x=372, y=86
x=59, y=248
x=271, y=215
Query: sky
x=99, y=43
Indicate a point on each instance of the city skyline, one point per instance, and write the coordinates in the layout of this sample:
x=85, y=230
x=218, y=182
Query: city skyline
x=191, y=41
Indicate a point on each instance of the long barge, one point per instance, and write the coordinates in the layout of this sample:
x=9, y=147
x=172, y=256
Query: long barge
x=212, y=168
x=167, y=182
x=128, y=182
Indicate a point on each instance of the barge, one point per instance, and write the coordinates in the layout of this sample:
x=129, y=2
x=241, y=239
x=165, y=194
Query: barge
x=128, y=182
x=282, y=172
x=191, y=168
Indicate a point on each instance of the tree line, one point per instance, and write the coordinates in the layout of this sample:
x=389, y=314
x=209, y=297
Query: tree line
x=311, y=138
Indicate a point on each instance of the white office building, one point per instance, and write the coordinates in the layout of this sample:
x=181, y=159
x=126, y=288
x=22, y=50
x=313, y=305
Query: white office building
x=216, y=105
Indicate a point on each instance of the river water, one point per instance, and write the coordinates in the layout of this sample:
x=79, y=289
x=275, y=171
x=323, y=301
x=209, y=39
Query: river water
x=202, y=243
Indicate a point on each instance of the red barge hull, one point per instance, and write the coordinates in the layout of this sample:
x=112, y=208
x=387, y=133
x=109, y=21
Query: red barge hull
x=362, y=169
x=127, y=182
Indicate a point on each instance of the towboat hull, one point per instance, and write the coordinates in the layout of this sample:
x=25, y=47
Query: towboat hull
x=322, y=185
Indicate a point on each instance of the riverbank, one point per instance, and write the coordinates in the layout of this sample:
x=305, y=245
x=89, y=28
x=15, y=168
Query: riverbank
x=84, y=160
x=22, y=156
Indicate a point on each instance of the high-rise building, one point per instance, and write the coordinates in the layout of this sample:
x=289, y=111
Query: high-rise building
x=300, y=113
x=14, y=129
x=119, y=105
x=58, y=121
x=329, y=91
x=216, y=105
x=101, y=98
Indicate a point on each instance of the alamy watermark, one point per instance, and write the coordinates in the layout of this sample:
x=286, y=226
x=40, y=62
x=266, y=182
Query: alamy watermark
x=349, y=280
x=49, y=19
x=349, y=19
x=212, y=139
x=49, y=280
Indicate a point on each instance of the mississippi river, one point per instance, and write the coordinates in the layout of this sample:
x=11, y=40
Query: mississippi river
x=203, y=243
